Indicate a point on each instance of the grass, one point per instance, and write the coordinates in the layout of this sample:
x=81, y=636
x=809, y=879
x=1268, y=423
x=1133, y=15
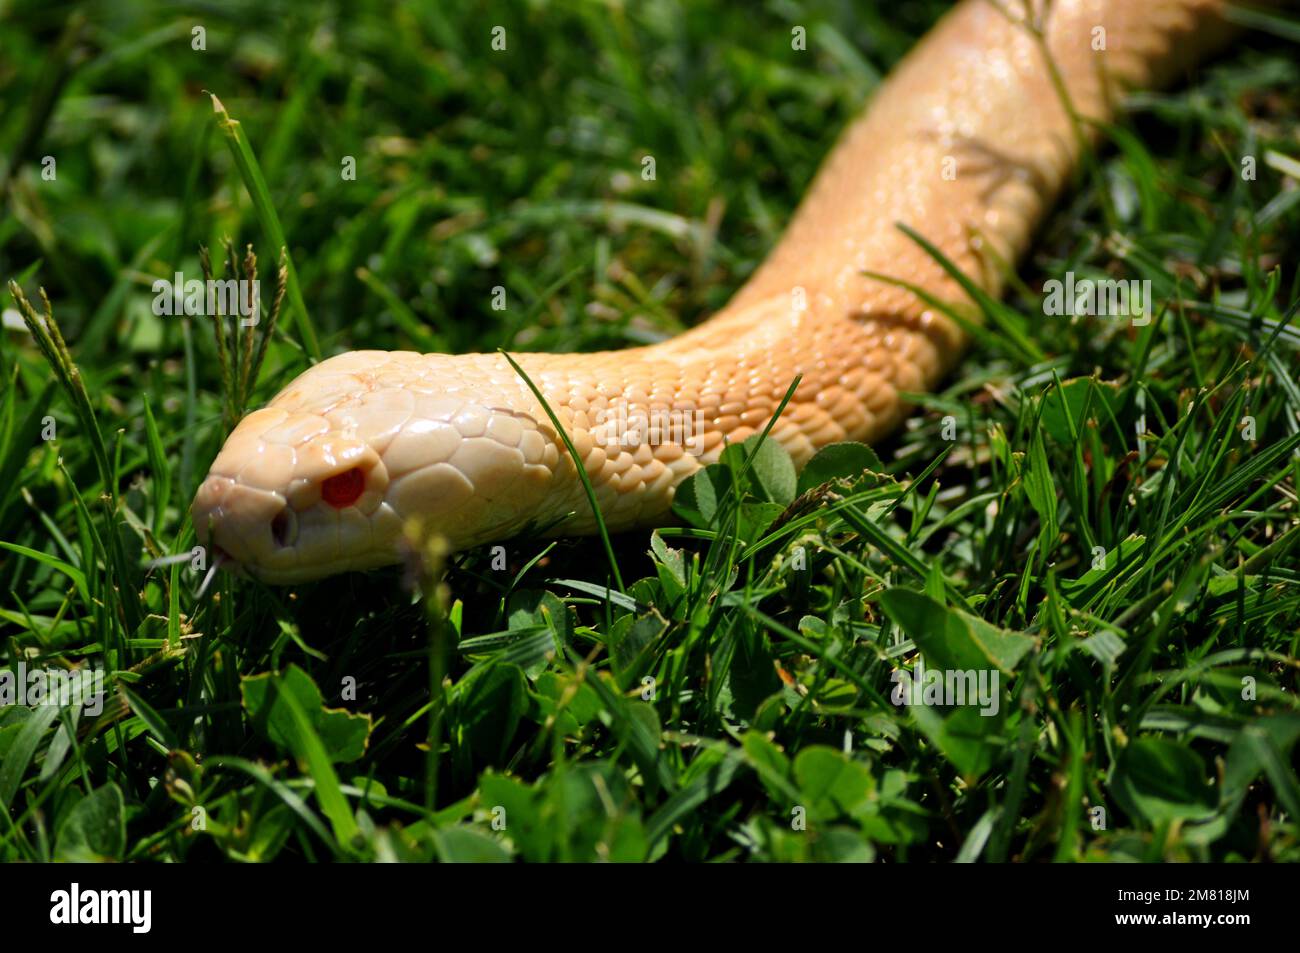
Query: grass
x=1103, y=514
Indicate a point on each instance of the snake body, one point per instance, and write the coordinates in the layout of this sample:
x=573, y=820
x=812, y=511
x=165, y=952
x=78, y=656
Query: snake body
x=968, y=142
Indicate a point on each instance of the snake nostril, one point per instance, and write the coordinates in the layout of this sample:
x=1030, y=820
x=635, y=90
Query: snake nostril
x=284, y=528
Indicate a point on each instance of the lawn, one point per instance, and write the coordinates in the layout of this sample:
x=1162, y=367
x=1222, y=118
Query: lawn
x=1102, y=513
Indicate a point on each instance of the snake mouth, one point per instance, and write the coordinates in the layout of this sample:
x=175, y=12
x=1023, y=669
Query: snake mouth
x=244, y=524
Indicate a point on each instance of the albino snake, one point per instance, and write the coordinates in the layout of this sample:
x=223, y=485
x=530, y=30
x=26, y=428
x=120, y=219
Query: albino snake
x=968, y=142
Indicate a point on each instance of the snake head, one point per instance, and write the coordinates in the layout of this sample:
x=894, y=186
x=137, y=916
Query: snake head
x=326, y=478
x=292, y=498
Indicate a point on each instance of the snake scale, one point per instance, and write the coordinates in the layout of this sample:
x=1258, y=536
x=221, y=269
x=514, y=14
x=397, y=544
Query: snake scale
x=968, y=142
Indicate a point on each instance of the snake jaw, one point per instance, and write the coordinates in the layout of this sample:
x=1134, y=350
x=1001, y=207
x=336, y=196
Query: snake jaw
x=258, y=533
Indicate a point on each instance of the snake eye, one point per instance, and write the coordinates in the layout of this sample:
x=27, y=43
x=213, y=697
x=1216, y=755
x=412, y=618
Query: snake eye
x=344, y=489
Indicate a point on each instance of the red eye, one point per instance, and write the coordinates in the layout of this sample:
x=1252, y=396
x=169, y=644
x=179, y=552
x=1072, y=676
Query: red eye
x=344, y=489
